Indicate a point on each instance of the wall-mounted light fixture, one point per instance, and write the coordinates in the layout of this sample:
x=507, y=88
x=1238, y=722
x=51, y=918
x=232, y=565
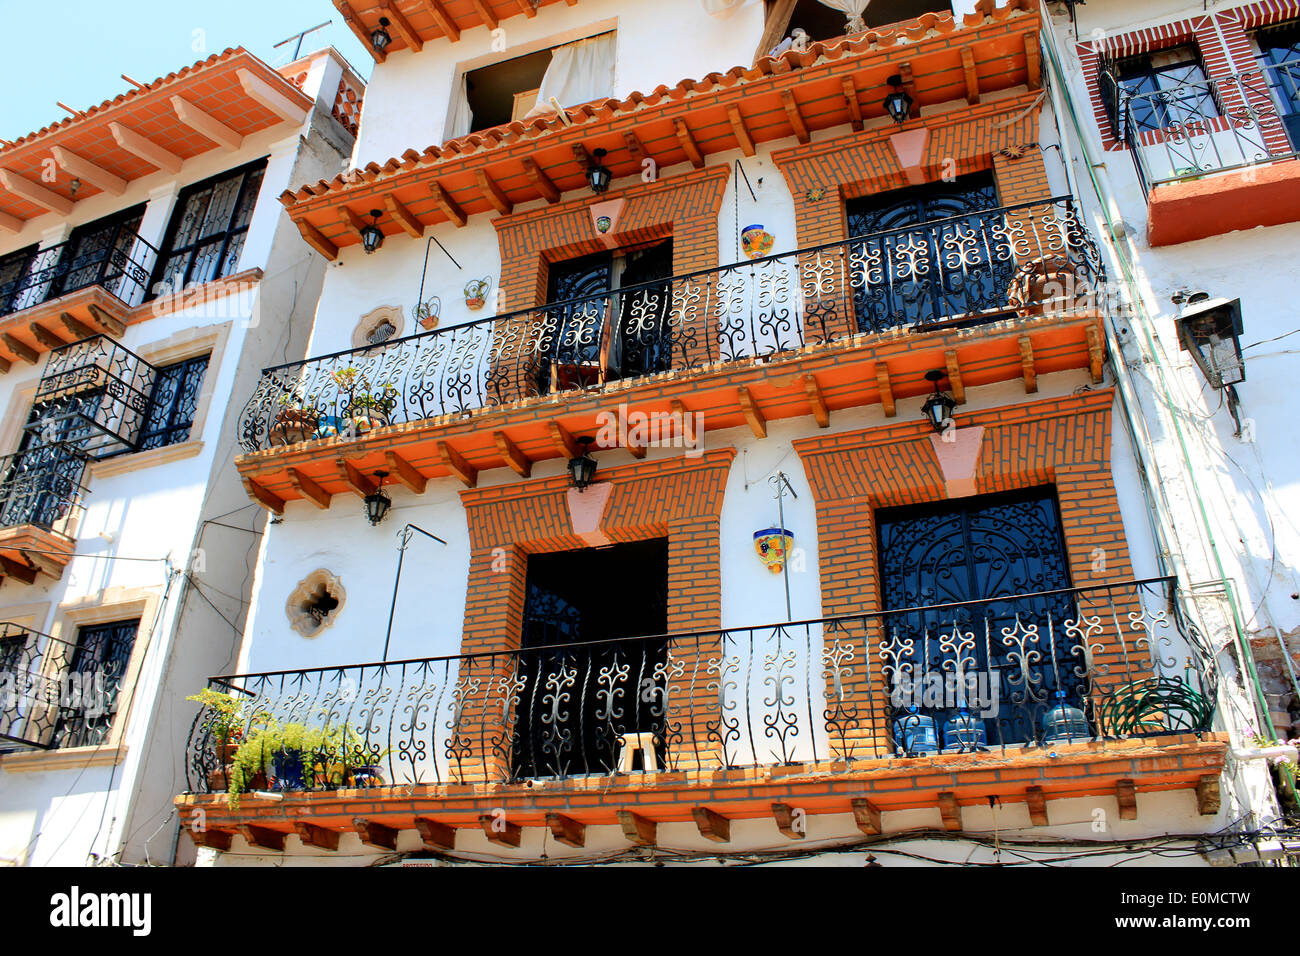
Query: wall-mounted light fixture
x=582, y=468
x=598, y=174
x=378, y=503
x=379, y=36
x=372, y=237
x=897, y=104
x=1211, y=330
x=938, y=407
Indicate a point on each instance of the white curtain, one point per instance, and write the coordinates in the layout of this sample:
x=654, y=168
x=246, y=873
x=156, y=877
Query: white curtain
x=851, y=9
x=462, y=119
x=579, y=72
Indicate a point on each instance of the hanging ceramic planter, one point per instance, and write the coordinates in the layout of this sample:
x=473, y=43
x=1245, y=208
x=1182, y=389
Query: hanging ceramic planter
x=756, y=242
x=476, y=291
x=426, y=313
x=772, y=545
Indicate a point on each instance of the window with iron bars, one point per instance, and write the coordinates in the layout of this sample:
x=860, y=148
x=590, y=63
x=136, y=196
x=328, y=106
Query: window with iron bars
x=173, y=402
x=1157, y=90
x=89, y=697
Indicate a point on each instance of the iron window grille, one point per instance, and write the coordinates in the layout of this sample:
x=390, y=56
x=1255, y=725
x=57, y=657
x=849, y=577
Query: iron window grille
x=173, y=402
x=1279, y=47
x=90, y=698
x=1156, y=91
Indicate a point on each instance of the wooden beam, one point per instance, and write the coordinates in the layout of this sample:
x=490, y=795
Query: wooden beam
x=712, y=826
x=435, y=9
x=375, y=834
x=637, y=828
x=309, y=489
x=275, y=101
x=264, y=837
x=448, y=205
x=1033, y=62
x=317, y=240
x=436, y=836
x=414, y=228
x=16, y=569
x=637, y=451
x=351, y=474
x=540, y=180
x=1096, y=354
x=567, y=830
x=817, y=401
x=76, y=328
x=1126, y=796
x=753, y=414
x=312, y=835
x=492, y=193
x=1207, y=795
x=30, y=191
x=206, y=125
x=405, y=472
x=5, y=365
x=20, y=349
x=787, y=822
x=745, y=141
x=886, y=390
x=530, y=11
x=1029, y=373
x=582, y=157
x=1037, y=802
x=83, y=168
x=687, y=140
x=357, y=27
x=563, y=440
x=851, y=98
x=145, y=149
x=909, y=87
x=43, y=563
x=954, y=376
x=45, y=337
x=517, y=460
x=11, y=223
x=266, y=499
x=500, y=831
x=110, y=324
x=795, y=117
x=866, y=816
x=462, y=469
x=969, y=74
x=634, y=145
x=950, y=810
x=484, y=11
x=351, y=219
x=213, y=839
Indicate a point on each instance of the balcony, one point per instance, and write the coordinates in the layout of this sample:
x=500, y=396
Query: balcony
x=40, y=502
x=1004, y=293
x=1216, y=155
x=77, y=288
x=1064, y=692
x=44, y=703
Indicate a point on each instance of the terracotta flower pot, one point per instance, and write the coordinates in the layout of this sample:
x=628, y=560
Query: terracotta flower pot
x=293, y=425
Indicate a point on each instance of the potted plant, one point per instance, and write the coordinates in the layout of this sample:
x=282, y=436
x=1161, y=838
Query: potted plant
x=294, y=422
x=371, y=409
x=223, y=719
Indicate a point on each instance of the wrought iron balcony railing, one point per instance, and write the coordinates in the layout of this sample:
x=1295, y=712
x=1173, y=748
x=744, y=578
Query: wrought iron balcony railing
x=41, y=486
x=116, y=259
x=46, y=701
x=970, y=268
x=1013, y=671
x=1221, y=123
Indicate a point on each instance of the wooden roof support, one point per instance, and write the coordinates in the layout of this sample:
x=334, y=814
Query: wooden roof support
x=969, y=74
x=362, y=484
x=484, y=11
x=459, y=467
x=886, y=390
x=375, y=834
x=76, y=328
x=636, y=450
x=712, y=826
x=16, y=569
x=266, y=499
x=637, y=828
x=817, y=401
x=567, y=830
x=447, y=204
x=909, y=87
x=634, y=145
x=1096, y=354
x=1207, y=795
x=866, y=816
x=83, y=168
x=357, y=27
x=145, y=149
x=517, y=460
x=540, y=179
x=584, y=158
x=405, y=472
x=409, y=33
x=499, y=830
x=20, y=349
x=45, y=337
x=796, y=118
x=954, y=376
x=1028, y=371
x=738, y=127
x=562, y=439
x=264, y=837
x=5, y=365
x=317, y=240
x=206, y=125
x=44, y=563
x=788, y=821
x=213, y=839
x=30, y=191
x=319, y=837
x=110, y=324
x=530, y=11
x=1033, y=62
x=950, y=810
x=1126, y=796
x=492, y=193
x=309, y=489
x=274, y=100
x=351, y=219
x=1037, y=802
x=436, y=836
x=414, y=228
x=689, y=146
x=851, y=98
x=753, y=414
x=11, y=223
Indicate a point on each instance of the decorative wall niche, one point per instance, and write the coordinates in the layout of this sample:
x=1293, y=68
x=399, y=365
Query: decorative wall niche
x=378, y=326
x=315, y=603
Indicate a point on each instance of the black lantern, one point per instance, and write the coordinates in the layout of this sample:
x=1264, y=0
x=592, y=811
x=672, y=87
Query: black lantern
x=938, y=407
x=1211, y=330
x=379, y=37
x=582, y=469
x=378, y=503
x=897, y=104
x=598, y=174
x=372, y=237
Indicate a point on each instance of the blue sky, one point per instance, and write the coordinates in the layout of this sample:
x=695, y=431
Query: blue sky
x=77, y=51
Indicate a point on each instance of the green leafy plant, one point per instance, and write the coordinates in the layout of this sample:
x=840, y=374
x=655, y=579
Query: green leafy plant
x=224, y=715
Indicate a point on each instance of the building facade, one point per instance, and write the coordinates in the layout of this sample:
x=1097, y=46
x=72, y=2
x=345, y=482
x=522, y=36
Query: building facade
x=147, y=273
x=733, y=436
